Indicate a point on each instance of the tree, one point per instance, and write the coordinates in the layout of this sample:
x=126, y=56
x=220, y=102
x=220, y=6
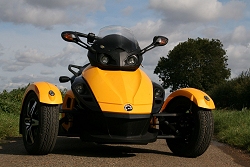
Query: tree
x=233, y=94
x=198, y=63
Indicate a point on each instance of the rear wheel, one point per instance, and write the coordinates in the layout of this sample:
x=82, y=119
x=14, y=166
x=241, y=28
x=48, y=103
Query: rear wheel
x=195, y=128
x=39, y=125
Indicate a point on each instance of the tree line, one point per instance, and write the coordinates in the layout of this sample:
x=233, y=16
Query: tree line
x=202, y=64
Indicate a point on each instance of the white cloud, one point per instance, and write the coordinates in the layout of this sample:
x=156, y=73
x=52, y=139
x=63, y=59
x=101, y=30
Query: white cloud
x=87, y=5
x=1, y=50
x=21, y=79
x=47, y=13
x=234, y=9
x=148, y=29
x=3, y=78
x=47, y=72
x=14, y=66
x=238, y=58
x=240, y=35
x=31, y=57
x=198, y=10
x=11, y=86
x=25, y=79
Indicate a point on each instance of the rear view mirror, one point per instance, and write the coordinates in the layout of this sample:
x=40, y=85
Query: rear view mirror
x=160, y=41
x=157, y=41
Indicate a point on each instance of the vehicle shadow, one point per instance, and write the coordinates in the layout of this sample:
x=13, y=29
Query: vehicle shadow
x=75, y=147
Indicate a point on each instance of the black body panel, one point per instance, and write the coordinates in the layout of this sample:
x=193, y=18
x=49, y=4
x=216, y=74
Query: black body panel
x=158, y=101
x=93, y=126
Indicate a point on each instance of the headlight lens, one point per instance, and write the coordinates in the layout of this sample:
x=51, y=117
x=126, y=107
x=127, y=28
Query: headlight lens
x=104, y=59
x=79, y=88
x=158, y=92
x=132, y=60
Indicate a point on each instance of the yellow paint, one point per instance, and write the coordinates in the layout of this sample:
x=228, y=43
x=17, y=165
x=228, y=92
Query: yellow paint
x=69, y=94
x=42, y=91
x=195, y=95
x=114, y=89
x=137, y=109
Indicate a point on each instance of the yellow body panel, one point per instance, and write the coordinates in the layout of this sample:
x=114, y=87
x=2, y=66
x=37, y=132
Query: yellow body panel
x=68, y=104
x=42, y=91
x=195, y=95
x=114, y=89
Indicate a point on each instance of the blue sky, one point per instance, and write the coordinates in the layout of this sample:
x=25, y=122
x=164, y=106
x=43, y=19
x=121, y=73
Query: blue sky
x=31, y=48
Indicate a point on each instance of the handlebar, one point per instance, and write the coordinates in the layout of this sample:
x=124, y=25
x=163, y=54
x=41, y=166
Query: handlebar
x=81, y=34
x=73, y=36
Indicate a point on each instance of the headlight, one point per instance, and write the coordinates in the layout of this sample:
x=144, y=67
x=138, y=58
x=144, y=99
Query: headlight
x=132, y=60
x=104, y=59
x=158, y=93
x=79, y=88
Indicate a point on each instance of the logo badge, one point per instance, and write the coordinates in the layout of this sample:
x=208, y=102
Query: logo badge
x=128, y=107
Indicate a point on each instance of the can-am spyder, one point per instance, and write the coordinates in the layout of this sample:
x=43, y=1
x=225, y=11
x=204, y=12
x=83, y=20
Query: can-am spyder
x=113, y=101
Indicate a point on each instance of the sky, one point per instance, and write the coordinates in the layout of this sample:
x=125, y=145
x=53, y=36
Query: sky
x=31, y=48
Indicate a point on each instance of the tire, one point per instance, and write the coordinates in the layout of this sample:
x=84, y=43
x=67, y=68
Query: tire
x=39, y=123
x=195, y=127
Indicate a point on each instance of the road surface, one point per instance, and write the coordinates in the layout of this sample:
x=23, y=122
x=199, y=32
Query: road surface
x=73, y=152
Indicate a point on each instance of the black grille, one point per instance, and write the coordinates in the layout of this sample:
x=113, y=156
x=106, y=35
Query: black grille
x=127, y=127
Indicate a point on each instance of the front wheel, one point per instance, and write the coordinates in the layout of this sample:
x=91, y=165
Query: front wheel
x=195, y=128
x=39, y=123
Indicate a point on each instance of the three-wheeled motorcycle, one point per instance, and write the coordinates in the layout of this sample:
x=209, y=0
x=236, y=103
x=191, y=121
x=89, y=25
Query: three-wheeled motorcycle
x=112, y=101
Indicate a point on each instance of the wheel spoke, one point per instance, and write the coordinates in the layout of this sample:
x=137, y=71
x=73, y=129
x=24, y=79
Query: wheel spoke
x=30, y=122
x=29, y=135
x=31, y=111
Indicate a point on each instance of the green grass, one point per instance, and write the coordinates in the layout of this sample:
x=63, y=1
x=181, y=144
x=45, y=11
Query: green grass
x=233, y=128
x=9, y=124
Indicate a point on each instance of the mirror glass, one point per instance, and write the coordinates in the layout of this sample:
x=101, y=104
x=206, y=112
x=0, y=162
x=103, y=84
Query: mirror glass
x=160, y=40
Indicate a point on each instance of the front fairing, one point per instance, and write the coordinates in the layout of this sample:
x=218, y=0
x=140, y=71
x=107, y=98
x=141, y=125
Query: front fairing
x=124, y=92
x=115, y=106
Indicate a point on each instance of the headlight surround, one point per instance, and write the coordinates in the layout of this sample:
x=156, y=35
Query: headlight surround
x=132, y=60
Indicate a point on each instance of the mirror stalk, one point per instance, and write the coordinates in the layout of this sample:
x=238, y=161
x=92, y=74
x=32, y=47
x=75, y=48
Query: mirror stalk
x=157, y=41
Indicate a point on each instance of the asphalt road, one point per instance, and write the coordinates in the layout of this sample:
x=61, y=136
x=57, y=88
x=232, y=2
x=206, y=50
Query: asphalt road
x=73, y=152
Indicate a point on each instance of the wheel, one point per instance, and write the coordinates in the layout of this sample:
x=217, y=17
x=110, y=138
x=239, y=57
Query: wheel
x=39, y=123
x=195, y=128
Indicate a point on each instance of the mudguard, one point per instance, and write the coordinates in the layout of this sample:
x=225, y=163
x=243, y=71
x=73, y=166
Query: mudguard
x=46, y=92
x=200, y=98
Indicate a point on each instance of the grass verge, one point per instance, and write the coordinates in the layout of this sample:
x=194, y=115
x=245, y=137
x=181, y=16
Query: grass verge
x=233, y=128
x=9, y=124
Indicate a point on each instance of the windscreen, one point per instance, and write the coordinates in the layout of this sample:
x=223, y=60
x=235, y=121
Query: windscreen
x=122, y=31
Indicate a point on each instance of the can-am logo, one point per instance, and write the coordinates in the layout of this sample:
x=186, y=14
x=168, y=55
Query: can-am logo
x=128, y=107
